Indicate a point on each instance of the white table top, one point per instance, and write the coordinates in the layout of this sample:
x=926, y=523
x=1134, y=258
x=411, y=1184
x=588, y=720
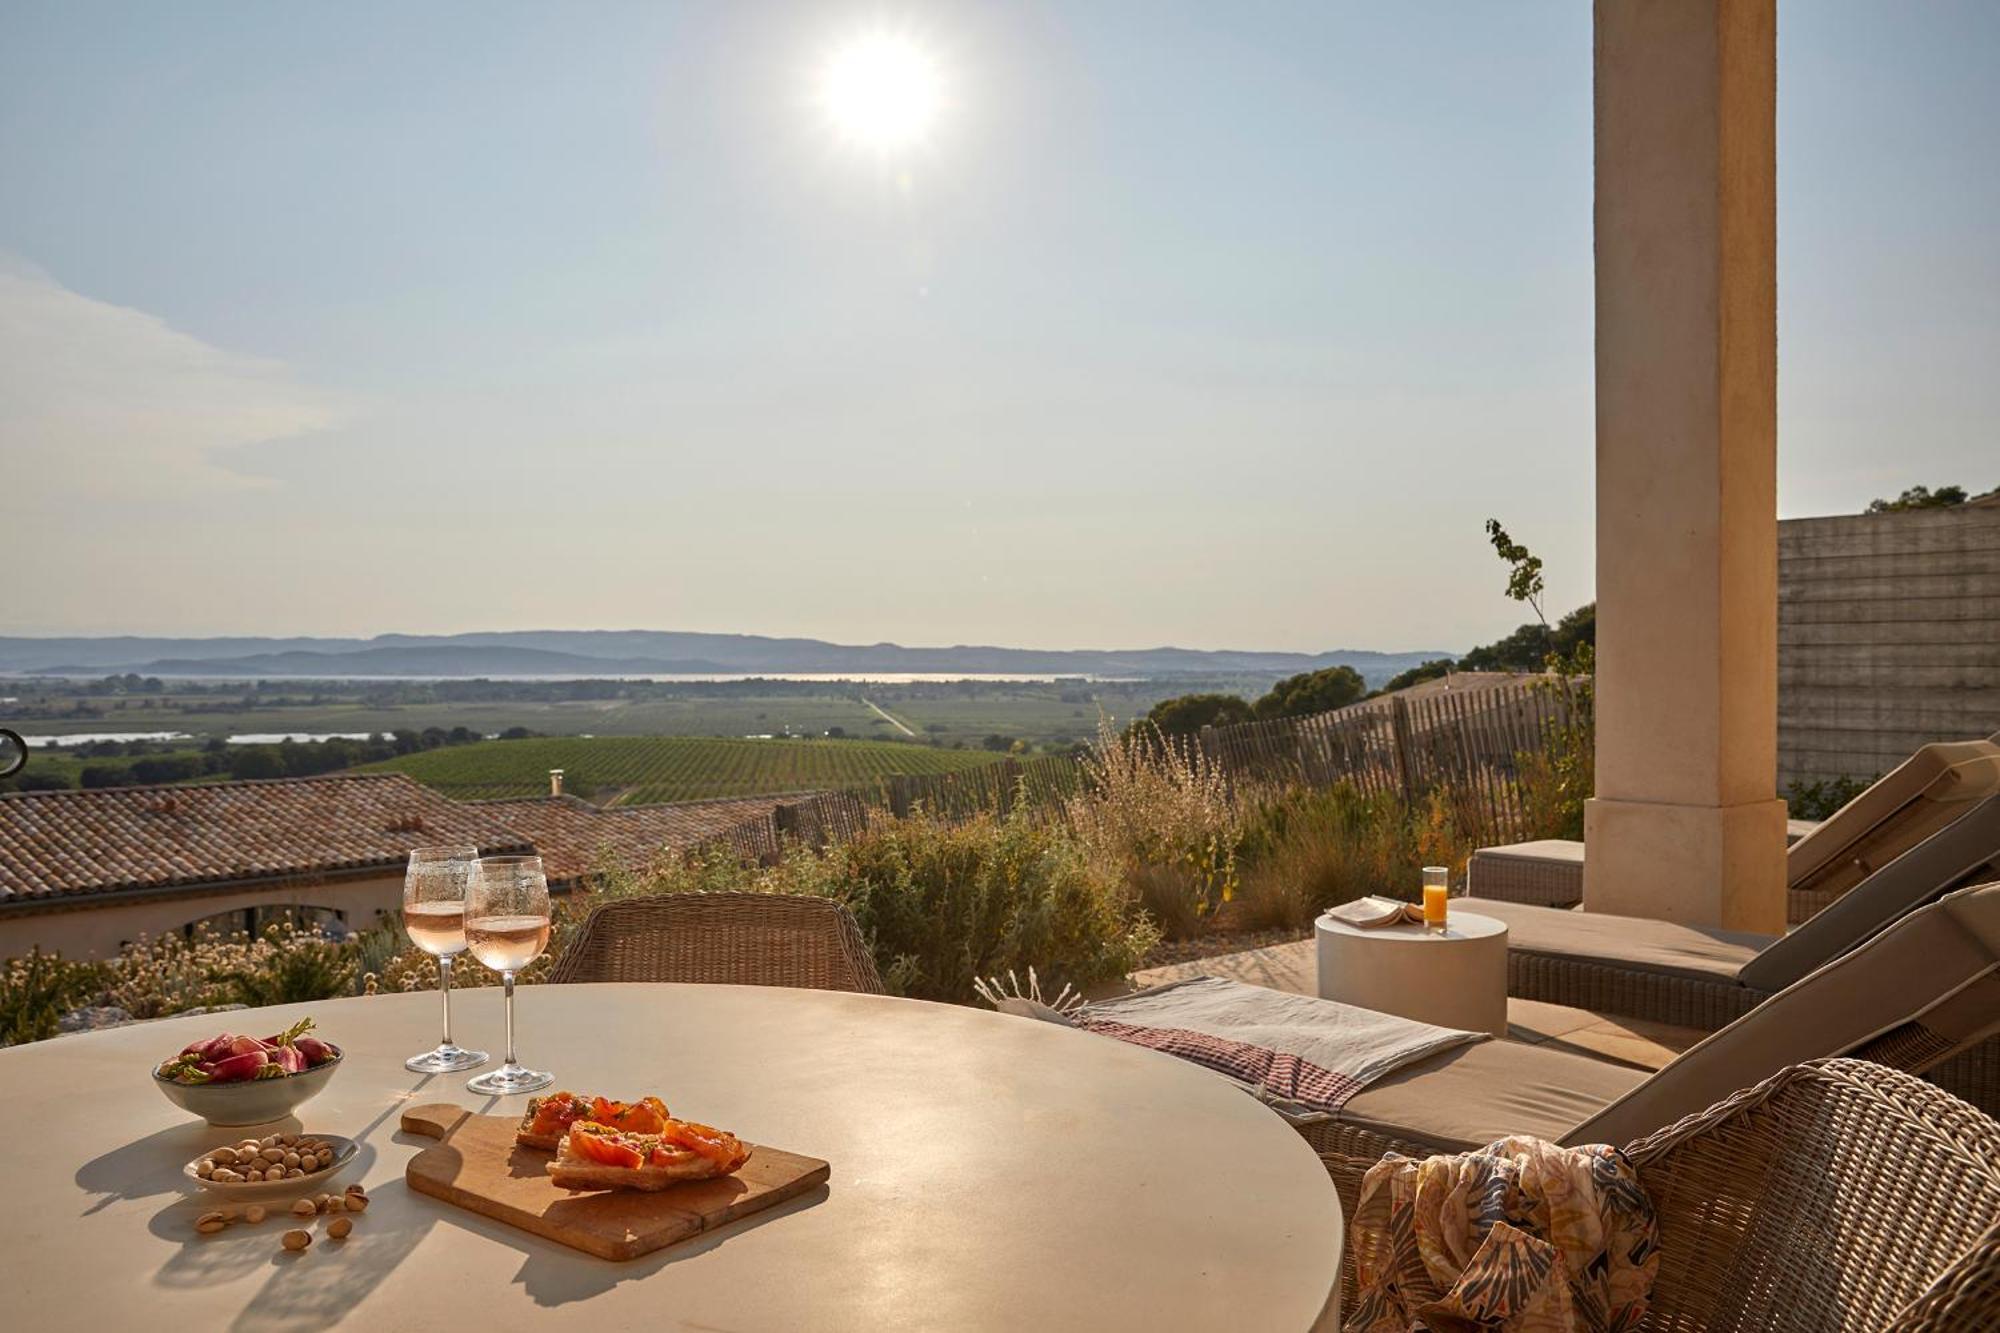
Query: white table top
x=988, y=1172
x=1458, y=925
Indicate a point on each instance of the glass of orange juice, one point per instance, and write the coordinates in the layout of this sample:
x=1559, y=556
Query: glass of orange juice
x=1437, y=888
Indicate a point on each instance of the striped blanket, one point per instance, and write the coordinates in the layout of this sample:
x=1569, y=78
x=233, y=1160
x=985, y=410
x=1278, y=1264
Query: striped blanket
x=1302, y=1055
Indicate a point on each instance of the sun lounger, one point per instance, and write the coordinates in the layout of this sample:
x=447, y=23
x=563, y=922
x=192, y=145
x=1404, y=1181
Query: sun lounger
x=1918, y=993
x=1700, y=977
x=1924, y=794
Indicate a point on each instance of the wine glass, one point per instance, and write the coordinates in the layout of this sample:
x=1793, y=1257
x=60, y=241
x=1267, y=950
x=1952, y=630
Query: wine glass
x=507, y=928
x=434, y=916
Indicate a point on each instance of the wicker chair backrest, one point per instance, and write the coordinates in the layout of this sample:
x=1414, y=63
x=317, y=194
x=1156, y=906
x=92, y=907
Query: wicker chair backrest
x=754, y=939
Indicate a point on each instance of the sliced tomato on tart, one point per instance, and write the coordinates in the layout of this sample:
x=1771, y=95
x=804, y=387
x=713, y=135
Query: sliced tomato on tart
x=548, y=1118
x=596, y=1156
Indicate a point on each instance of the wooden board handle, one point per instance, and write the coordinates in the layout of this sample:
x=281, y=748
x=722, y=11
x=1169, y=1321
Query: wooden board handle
x=434, y=1120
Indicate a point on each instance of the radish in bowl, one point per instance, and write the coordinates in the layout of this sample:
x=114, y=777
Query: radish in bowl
x=232, y=1079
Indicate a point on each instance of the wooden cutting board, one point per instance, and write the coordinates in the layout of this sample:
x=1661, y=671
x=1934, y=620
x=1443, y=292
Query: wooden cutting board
x=478, y=1166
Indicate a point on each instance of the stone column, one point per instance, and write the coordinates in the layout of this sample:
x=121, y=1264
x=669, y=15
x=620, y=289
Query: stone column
x=1686, y=825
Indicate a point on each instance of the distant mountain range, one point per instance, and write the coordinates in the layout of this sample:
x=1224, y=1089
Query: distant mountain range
x=636, y=653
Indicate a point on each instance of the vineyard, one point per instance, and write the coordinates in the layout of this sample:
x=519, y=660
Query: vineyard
x=634, y=770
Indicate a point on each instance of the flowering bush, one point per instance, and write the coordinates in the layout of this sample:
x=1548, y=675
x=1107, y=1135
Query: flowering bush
x=155, y=976
x=159, y=975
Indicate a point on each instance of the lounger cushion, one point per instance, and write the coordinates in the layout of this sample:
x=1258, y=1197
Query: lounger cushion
x=1921, y=963
x=1918, y=797
x=1639, y=943
x=1471, y=1095
x=1960, y=853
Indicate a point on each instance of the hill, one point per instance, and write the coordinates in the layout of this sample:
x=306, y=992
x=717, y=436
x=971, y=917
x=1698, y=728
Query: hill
x=641, y=652
x=638, y=770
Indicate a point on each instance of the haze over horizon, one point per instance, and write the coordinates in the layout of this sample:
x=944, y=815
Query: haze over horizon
x=605, y=633
x=1219, y=328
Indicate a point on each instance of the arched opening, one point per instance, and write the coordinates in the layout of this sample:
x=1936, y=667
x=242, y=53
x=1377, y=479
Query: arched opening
x=255, y=920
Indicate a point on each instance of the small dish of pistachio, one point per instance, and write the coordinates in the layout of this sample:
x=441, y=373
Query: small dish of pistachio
x=254, y=1166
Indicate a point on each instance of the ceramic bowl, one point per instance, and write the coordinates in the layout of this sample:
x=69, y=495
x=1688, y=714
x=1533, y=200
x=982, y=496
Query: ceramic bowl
x=257, y=1101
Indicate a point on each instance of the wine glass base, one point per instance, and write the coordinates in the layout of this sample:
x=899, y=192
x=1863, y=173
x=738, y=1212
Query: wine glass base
x=508, y=1080
x=446, y=1060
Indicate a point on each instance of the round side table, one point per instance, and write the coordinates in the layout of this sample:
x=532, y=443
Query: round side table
x=1454, y=980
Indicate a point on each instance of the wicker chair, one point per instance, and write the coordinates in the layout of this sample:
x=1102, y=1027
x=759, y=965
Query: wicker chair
x=749, y=939
x=1837, y=1194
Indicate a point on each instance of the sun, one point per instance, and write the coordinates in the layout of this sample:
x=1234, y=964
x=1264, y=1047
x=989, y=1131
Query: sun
x=882, y=92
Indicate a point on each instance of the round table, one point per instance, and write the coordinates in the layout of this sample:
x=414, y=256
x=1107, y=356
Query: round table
x=1455, y=980
x=988, y=1172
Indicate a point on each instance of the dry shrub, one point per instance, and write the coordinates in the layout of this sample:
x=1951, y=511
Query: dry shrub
x=1158, y=813
x=1171, y=896
x=1307, y=849
x=940, y=903
x=1555, y=781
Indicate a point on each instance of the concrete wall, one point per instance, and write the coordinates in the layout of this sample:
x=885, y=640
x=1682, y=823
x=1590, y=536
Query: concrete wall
x=1888, y=637
x=98, y=931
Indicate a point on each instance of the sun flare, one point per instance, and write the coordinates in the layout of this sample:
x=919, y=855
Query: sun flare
x=881, y=92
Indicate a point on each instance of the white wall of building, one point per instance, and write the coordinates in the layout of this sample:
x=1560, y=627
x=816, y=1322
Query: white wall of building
x=97, y=931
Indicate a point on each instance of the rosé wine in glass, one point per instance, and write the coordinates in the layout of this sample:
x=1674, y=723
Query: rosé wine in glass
x=507, y=943
x=434, y=917
x=507, y=928
x=436, y=928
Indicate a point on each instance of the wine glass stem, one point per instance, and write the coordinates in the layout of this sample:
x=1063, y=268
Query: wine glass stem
x=507, y=980
x=444, y=986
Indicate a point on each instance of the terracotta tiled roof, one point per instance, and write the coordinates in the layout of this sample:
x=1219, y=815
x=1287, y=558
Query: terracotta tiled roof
x=574, y=837
x=56, y=844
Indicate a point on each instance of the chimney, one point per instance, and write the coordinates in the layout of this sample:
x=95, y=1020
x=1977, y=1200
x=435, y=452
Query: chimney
x=555, y=782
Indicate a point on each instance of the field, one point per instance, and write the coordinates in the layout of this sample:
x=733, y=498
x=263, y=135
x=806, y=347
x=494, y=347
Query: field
x=1043, y=713
x=630, y=770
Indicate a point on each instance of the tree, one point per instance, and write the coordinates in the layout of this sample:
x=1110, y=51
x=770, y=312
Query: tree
x=1312, y=692
x=1417, y=675
x=1920, y=497
x=256, y=761
x=166, y=768
x=1189, y=713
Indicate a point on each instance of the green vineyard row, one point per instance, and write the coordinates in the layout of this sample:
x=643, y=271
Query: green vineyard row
x=631, y=770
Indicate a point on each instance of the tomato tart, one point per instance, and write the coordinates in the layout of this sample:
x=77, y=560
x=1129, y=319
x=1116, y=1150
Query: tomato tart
x=548, y=1118
x=596, y=1156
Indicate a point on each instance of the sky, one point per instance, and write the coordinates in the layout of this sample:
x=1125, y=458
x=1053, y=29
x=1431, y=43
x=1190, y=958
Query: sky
x=1211, y=325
